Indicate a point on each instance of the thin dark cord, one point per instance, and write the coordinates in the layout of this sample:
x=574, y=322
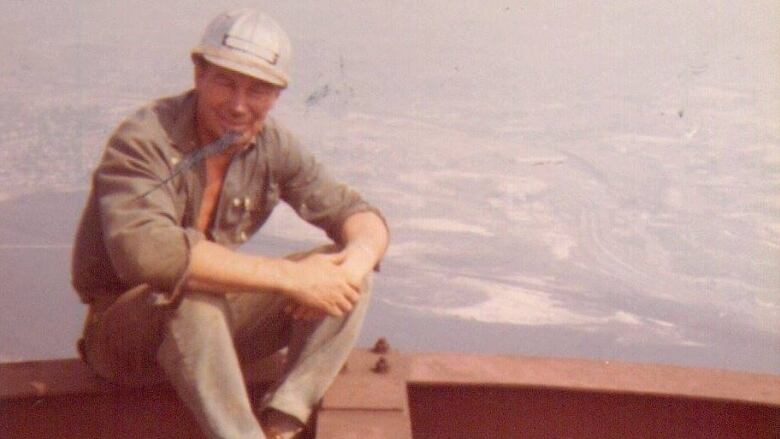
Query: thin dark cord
x=191, y=160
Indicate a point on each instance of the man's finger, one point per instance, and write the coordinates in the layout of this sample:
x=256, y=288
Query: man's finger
x=352, y=294
x=336, y=311
x=337, y=258
x=344, y=305
x=356, y=287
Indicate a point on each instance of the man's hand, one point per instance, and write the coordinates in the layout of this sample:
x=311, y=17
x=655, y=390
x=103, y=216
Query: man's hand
x=319, y=284
x=355, y=263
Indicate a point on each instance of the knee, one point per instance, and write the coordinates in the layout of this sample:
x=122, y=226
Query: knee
x=367, y=286
x=198, y=326
x=202, y=303
x=359, y=307
x=201, y=313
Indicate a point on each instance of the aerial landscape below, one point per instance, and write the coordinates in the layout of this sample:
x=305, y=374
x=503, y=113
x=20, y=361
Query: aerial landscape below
x=592, y=180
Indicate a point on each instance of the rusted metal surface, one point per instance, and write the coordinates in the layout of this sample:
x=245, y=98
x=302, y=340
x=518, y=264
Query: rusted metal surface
x=72, y=376
x=64, y=399
x=500, y=396
x=369, y=400
x=364, y=424
x=509, y=412
x=361, y=387
x=381, y=366
x=593, y=375
x=423, y=396
x=52, y=378
x=129, y=413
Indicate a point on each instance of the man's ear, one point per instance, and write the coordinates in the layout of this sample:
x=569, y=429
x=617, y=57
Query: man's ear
x=199, y=68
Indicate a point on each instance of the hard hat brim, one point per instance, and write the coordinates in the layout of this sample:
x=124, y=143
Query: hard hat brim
x=255, y=70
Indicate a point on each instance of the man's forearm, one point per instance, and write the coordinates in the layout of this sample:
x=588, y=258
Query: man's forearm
x=365, y=238
x=217, y=269
x=316, y=281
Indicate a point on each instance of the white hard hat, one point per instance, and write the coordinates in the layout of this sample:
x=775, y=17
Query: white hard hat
x=248, y=42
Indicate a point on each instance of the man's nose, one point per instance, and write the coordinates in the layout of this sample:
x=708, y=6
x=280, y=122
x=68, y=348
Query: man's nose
x=238, y=101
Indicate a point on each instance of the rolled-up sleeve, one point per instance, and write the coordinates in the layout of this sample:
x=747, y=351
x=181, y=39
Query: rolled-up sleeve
x=313, y=193
x=143, y=236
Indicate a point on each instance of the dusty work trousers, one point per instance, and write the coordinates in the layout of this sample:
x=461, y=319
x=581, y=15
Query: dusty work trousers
x=199, y=347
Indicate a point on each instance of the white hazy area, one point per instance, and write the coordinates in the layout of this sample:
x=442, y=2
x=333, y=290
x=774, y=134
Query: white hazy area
x=593, y=179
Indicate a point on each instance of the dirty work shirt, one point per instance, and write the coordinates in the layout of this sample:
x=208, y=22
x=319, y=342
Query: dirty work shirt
x=126, y=239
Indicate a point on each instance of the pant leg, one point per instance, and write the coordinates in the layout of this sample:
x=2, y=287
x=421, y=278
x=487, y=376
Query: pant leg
x=121, y=336
x=199, y=358
x=208, y=376
x=132, y=341
x=260, y=325
x=131, y=338
x=317, y=351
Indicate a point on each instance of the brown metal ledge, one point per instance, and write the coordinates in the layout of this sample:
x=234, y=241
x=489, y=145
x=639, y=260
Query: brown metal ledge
x=423, y=396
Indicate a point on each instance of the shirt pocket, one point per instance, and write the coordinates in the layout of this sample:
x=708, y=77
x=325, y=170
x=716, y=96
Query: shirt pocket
x=259, y=210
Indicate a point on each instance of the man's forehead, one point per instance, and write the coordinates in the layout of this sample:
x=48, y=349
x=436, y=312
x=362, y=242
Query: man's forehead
x=233, y=74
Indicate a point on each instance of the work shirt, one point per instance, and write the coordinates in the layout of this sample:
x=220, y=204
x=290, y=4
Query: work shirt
x=133, y=232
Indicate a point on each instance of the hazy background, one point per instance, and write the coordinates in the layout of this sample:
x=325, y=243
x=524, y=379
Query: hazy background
x=600, y=179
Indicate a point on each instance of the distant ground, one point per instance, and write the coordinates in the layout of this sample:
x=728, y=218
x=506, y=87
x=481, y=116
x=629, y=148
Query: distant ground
x=593, y=180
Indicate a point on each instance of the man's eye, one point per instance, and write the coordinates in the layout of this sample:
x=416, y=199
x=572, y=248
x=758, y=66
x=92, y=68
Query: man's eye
x=223, y=81
x=260, y=89
x=257, y=92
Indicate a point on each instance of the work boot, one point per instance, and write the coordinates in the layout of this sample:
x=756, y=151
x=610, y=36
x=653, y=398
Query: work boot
x=278, y=425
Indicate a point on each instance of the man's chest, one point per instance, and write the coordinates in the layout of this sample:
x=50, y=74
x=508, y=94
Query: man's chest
x=230, y=200
x=216, y=167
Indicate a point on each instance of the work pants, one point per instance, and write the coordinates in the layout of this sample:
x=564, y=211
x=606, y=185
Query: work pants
x=200, y=345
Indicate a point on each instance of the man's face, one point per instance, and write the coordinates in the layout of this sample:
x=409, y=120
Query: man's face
x=231, y=101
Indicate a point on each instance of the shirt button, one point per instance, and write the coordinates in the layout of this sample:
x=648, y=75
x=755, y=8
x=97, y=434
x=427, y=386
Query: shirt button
x=174, y=160
x=236, y=202
x=243, y=237
x=247, y=203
